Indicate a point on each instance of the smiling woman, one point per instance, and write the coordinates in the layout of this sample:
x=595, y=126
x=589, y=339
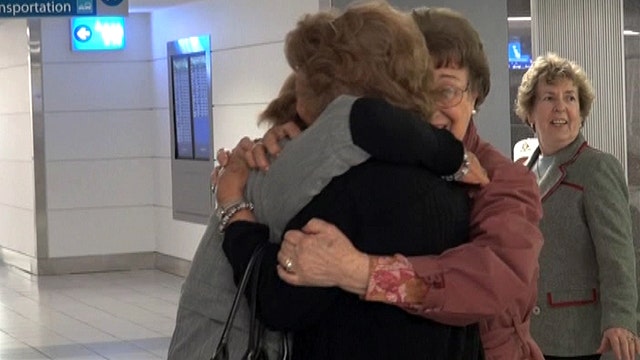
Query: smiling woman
x=587, y=291
x=554, y=99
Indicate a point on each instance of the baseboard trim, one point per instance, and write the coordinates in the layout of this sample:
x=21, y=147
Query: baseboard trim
x=19, y=260
x=172, y=265
x=95, y=263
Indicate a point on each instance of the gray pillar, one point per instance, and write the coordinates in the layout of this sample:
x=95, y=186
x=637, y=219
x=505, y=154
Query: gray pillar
x=39, y=157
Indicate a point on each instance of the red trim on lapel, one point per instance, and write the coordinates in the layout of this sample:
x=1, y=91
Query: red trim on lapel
x=563, y=171
x=593, y=300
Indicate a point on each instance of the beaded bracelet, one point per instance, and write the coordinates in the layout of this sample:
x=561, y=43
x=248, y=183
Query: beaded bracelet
x=221, y=208
x=462, y=171
x=226, y=213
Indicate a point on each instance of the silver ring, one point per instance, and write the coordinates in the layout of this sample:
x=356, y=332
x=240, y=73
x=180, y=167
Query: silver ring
x=288, y=265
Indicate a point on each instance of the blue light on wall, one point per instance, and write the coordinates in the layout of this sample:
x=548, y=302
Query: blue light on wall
x=517, y=58
x=97, y=33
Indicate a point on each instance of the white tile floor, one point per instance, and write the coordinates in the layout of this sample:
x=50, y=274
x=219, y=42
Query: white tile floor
x=125, y=315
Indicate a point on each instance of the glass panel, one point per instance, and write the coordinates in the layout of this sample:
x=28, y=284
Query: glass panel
x=520, y=57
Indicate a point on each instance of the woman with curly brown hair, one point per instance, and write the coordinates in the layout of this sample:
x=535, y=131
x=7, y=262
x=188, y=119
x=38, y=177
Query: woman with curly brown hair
x=369, y=50
x=492, y=278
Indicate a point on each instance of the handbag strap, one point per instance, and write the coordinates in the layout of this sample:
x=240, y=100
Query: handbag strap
x=255, y=327
x=284, y=347
x=224, y=338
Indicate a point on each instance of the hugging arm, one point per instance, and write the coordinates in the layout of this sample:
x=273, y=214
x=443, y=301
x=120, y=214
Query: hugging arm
x=498, y=266
x=399, y=136
x=280, y=306
x=328, y=148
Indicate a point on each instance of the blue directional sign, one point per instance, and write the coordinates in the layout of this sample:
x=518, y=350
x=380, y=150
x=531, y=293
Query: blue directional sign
x=82, y=33
x=97, y=33
x=49, y=8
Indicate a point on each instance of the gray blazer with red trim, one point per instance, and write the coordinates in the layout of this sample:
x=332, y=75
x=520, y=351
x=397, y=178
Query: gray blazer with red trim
x=587, y=265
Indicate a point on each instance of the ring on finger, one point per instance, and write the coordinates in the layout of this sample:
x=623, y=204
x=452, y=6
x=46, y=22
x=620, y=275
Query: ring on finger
x=288, y=265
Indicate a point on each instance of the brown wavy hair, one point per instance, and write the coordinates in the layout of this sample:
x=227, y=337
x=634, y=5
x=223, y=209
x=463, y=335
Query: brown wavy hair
x=283, y=108
x=371, y=49
x=552, y=68
x=453, y=42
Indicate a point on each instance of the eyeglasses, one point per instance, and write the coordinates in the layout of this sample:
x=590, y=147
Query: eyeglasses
x=448, y=96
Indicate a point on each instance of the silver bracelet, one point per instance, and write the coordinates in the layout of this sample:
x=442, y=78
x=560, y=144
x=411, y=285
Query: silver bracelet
x=225, y=214
x=222, y=208
x=462, y=171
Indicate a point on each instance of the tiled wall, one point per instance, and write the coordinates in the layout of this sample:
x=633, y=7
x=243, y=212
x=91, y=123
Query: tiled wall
x=17, y=230
x=99, y=140
x=106, y=125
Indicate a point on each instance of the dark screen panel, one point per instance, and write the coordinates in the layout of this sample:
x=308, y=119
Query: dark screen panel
x=200, y=106
x=182, y=107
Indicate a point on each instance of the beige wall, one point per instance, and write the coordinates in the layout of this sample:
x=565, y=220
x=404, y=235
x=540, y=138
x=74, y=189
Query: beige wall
x=106, y=137
x=17, y=211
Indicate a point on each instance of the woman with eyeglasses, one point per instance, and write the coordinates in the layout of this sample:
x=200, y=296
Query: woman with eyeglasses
x=492, y=279
x=383, y=207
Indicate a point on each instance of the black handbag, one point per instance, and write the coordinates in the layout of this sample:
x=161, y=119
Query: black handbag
x=255, y=349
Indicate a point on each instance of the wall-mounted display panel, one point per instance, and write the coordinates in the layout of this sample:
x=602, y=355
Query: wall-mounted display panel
x=190, y=108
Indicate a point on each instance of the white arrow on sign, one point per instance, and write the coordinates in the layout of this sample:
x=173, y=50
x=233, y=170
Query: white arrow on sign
x=83, y=33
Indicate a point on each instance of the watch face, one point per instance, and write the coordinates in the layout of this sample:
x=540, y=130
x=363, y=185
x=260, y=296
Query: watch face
x=112, y=2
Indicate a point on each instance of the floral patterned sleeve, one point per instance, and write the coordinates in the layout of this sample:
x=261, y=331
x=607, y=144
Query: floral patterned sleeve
x=394, y=281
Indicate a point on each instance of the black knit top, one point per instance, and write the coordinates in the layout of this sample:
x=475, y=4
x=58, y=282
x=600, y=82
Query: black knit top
x=383, y=208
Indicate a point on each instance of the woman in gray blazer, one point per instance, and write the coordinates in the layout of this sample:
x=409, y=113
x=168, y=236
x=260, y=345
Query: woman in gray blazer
x=587, y=293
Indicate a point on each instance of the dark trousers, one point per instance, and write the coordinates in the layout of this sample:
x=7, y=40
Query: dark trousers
x=587, y=357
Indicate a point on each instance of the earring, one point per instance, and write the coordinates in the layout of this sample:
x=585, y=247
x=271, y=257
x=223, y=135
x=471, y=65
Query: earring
x=474, y=111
